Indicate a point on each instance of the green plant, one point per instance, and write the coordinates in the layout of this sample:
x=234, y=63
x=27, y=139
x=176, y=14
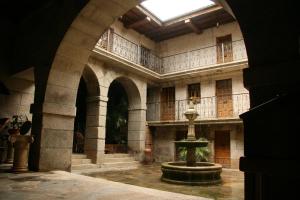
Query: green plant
x=17, y=121
x=202, y=153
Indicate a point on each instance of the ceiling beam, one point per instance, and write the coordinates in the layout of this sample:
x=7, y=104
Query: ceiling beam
x=138, y=23
x=192, y=26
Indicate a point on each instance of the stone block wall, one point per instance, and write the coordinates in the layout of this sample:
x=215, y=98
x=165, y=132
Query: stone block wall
x=19, y=100
x=163, y=144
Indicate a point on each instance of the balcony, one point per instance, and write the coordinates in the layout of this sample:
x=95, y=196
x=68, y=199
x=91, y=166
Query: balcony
x=232, y=52
x=227, y=107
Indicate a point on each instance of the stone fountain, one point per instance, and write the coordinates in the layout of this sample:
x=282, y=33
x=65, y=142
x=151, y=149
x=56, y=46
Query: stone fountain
x=191, y=172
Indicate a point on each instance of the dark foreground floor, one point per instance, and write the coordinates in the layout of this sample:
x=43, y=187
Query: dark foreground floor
x=58, y=185
x=149, y=176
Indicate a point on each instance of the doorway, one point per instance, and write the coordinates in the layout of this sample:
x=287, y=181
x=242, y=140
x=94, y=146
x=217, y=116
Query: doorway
x=222, y=148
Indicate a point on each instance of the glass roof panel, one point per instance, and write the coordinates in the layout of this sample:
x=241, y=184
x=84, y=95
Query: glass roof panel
x=166, y=10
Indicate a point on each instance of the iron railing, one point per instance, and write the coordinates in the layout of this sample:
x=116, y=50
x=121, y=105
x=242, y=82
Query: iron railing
x=197, y=58
x=129, y=50
x=203, y=57
x=208, y=108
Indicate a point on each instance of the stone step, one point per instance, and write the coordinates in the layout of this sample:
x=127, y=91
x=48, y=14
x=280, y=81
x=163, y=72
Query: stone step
x=78, y=156
x=121, y=159
x=120, y=165
x=117, y=155
x=84, y=166
x=77, y=161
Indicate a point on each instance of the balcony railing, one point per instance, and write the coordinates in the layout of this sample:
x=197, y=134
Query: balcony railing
x=208, y=108
x=131, y=51
x=197, y=58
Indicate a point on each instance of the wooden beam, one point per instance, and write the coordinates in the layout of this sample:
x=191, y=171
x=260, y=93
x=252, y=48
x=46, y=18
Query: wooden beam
x=138, y=23
x=192, y=26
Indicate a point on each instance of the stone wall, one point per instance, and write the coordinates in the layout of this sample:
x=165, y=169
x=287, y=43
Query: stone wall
x=20, y=98
x=163, y=144
x=133, y=36
x=195, y=41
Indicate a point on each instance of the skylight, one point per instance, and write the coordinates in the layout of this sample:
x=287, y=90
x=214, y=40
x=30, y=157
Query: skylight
x=166, y=10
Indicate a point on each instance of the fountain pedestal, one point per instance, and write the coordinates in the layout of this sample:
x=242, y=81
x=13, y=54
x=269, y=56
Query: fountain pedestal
x=191, y=172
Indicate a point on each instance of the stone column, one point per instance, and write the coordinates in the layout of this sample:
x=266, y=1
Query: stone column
x=136, y=132
x=95, y=128
x=52, y=130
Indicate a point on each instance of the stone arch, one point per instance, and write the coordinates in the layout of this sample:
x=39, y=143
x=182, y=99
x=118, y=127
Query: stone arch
x=132, y=90
x=136, y=115
x=91, y=79
x=54, y=106
x=93, y=109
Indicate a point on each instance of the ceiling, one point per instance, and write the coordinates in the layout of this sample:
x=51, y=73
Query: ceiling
x=142, y=21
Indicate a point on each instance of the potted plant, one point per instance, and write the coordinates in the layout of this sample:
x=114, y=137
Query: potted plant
x=21, y=143
x=16, y=123
x=14, y=126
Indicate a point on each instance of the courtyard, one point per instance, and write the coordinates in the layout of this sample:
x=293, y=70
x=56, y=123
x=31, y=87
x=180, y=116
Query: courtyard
x=143, y=182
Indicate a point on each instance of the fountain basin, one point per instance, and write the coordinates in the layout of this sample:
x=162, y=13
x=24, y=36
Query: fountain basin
x=204, y=173
x=191, y=143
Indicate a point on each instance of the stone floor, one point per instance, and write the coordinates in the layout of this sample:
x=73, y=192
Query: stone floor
x=149, y=176
x=64, y=185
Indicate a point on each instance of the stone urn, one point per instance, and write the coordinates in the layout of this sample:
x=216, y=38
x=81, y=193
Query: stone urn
x=21, y=149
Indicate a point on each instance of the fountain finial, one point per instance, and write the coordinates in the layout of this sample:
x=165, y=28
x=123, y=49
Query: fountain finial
x=191, y=114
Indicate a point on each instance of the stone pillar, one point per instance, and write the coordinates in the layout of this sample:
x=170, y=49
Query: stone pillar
x=21, y=146
x=95, y=128
x=52, y=130
x=136, y=132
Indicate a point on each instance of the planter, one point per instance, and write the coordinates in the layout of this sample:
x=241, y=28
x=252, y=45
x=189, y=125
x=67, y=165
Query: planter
x=21, y=146
x=13, y=131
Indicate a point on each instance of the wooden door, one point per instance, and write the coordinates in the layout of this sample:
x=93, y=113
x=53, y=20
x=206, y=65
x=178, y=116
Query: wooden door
x=167, y=104
x=224, y=49
x=222, y=148
x=224, y=98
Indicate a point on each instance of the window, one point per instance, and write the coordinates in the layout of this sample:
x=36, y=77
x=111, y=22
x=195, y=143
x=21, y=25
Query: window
x=194, y=92
x=224, y=49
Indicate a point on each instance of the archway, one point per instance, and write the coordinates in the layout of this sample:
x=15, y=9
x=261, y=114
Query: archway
x=116, y=137
x=80, y=119
x=132, y=106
